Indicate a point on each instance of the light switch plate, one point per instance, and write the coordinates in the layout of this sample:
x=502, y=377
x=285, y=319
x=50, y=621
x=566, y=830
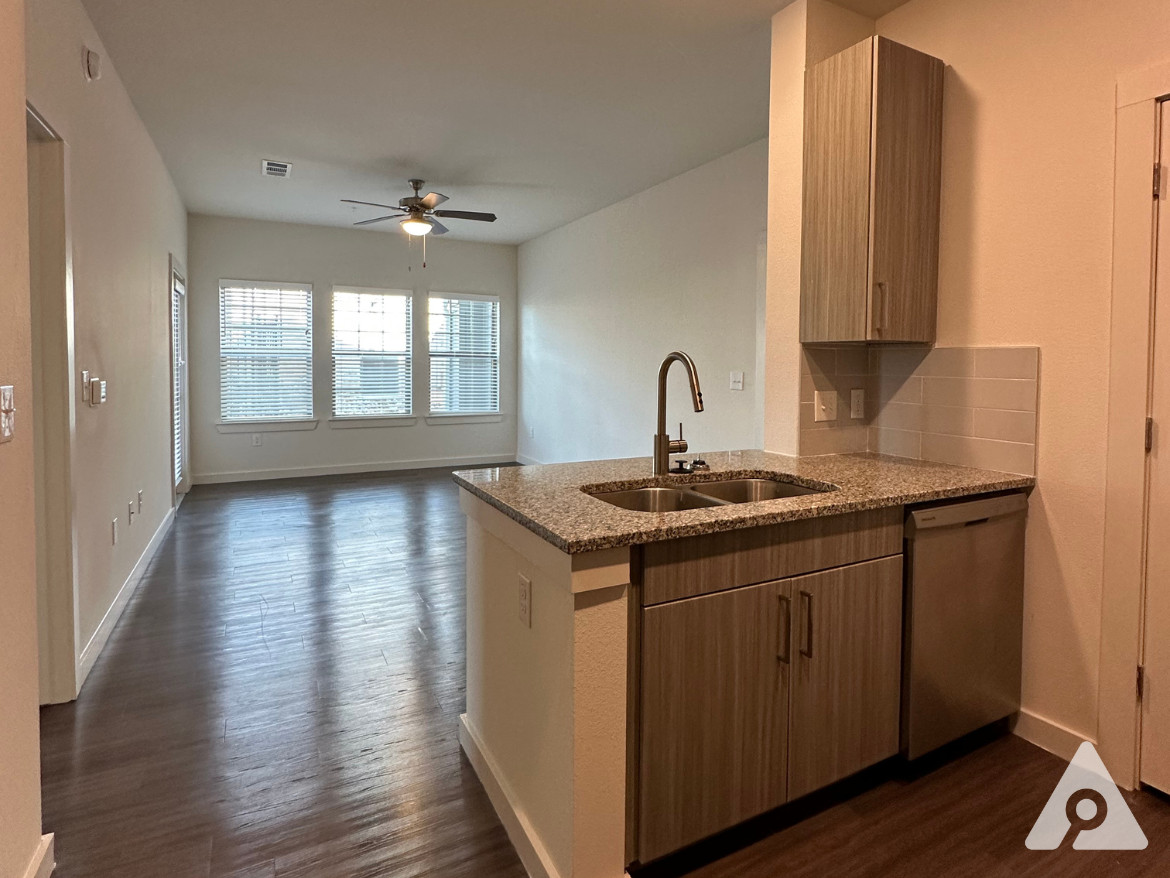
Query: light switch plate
x=737, y=380
x=7, y=426
x=825, y=405
x=7, y=398
x=857, y=403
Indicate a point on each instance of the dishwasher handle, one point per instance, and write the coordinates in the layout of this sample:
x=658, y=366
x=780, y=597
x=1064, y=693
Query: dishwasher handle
x=969, y=512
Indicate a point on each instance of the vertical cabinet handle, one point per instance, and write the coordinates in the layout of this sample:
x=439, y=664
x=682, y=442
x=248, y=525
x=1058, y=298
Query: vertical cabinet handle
x=784, y=654
x=880, y=306
x=806, y=607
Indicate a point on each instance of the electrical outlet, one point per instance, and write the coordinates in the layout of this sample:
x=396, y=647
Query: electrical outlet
x=825, y=405
x=85, y=385
x=525, y=601
x=130, y=513
x=531, y=432
x=257, y=440
x=736, y=382
x=856, y=403
x=114, y=531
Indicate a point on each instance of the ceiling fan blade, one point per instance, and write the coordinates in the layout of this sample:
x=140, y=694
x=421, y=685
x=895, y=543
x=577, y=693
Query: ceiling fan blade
x=369, y=204
x=467, y=215
x=437, y=228
x=433, y=200
x=380, y=219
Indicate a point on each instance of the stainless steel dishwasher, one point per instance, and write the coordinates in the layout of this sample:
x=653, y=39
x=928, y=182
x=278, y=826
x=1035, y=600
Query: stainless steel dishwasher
x=964, y=612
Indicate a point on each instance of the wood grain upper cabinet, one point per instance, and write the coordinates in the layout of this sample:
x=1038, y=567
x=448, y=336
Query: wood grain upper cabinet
x=714, y=720
x=846, y=672
x=872, y=181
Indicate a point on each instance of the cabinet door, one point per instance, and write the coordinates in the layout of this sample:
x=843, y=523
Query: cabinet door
x=835, y=214
x=906, y=179
x=714, y=718
x=846, y=672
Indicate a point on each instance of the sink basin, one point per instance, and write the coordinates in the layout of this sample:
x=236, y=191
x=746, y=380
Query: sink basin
x=752, y=490
x=658, y=499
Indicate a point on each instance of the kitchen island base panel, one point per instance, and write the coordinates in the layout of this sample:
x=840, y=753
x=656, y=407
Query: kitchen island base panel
x=545, y=727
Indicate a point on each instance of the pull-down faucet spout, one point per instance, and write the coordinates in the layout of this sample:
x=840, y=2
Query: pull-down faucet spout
x=664, y=446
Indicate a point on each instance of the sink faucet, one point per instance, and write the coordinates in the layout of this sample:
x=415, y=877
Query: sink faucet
x=664, y=446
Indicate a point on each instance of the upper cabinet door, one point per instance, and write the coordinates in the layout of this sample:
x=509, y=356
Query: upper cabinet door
x=872, y=178
x=907, y=181
x=714, y=725
x=835, y=219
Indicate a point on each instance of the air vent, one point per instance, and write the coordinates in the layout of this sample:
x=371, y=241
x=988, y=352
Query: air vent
x=272, y=168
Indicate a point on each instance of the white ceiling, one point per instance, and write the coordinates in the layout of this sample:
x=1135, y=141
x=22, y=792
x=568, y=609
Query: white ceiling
x=539, y=110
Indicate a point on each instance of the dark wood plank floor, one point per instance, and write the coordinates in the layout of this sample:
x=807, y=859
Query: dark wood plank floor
x=280, y=699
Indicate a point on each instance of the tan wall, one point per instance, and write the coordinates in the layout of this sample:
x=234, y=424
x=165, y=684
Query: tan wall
x=1025, y=260
x=126, y=219
x=223, y=248
x=20, y=796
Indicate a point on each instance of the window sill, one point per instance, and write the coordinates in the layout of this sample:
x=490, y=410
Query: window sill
x=265, y=426
x=488, y=418
x=360, y=423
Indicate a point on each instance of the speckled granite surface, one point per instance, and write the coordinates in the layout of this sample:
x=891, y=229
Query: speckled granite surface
x=549, y=500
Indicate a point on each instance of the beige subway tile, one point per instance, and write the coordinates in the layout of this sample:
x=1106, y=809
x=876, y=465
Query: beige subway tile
x=845, y=440
x=1006, y=425
x=1007, y=362
x=1008, y=457
x=852, y=361
x=809, y=384
x=899, y=388
x=948, y=363
x=818, y=361
x=901, y=360
x=948, y=419
x=899, y=416
x=988, y=393
x=900, y=443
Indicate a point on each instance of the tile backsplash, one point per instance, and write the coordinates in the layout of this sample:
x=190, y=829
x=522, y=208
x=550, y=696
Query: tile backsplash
x=971, y=406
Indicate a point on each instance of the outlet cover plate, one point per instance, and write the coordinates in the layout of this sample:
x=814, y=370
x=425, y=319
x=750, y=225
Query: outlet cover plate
x=857, y=403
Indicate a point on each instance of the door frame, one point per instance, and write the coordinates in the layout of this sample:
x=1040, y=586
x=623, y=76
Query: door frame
x=1140, y=100
x=183, y=485
x=54, y=363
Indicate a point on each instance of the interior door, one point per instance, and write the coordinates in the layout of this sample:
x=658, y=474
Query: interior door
x=179, y=433
x=846, y=672
x=715, y=672
x=1155, y=716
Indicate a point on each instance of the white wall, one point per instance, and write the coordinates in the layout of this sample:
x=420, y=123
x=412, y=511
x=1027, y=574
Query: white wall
x=20, y=793
x=126, y=219
x=605, y=298
x=1025, y=256
x=241, y=249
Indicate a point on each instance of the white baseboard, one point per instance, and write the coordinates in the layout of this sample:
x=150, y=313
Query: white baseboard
x=348, y=469
x=43, y=861
x=101, y=636
x=528, y=461
x=1049, y=735
x=532, y=853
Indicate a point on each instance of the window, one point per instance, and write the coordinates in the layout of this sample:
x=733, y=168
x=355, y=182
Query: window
x=179, y=377
x=265, y=351
x=371, y=353
x=465, y=354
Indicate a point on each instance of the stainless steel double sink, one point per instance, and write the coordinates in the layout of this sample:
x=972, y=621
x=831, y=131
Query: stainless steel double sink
x=705, y=495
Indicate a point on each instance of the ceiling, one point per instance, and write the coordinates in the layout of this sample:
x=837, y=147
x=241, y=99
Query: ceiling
x=539, y=111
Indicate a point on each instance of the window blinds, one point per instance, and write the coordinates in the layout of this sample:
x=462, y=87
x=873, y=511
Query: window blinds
x=371, y=353
x=464, y=354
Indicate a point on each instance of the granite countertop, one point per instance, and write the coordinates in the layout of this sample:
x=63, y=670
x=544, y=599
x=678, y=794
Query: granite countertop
x=549, y=499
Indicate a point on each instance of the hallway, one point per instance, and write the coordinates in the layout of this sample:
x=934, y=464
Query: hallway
x=280, y=697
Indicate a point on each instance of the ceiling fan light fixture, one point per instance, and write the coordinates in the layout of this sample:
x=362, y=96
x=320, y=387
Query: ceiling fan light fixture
x=416, y=226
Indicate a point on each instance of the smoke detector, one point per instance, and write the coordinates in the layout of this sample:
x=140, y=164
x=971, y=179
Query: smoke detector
x=273, y=168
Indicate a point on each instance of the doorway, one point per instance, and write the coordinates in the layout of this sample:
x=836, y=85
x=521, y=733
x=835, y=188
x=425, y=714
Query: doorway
x=54, y=413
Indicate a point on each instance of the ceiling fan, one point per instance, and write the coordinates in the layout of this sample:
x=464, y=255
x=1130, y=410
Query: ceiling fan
x=417, y=215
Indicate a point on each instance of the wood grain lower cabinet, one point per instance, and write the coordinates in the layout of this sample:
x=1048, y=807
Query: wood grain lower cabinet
x=756, y=695
x=846, y=672
x=714, y=723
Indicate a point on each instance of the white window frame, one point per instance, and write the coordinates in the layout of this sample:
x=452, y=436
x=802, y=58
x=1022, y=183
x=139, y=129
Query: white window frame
x=180, y=442
x=439, y=417
x=339, y=420
x=297, y=421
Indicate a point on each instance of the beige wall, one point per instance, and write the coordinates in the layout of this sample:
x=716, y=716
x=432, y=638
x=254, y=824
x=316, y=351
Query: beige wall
x=606, y=297
x=1025, y=260
x=239, y=249
x=126, y=219
x=20, y=795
